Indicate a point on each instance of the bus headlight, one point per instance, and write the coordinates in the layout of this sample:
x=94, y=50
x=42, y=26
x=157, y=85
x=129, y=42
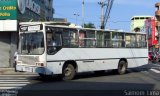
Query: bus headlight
x=40, y=64
x=18, y=62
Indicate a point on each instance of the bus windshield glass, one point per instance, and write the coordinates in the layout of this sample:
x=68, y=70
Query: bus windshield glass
x=31, y=43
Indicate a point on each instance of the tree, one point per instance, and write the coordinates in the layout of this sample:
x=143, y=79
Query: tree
x=89, y=25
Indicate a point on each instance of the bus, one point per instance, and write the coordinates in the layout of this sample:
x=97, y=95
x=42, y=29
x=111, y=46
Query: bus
x=48, y=49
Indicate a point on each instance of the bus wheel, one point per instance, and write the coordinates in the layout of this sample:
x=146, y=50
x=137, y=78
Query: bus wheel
x=68, y=72
x=122, y=67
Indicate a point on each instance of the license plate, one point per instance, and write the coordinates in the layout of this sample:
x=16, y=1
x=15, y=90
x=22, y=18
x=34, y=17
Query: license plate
x=28, y=69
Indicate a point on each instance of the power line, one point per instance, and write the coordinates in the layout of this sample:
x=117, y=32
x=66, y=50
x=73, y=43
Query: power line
x=108, y=10
x=87, y=19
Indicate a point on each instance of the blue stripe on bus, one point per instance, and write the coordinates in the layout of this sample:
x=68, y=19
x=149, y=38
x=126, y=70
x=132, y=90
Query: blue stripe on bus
x=92, y=60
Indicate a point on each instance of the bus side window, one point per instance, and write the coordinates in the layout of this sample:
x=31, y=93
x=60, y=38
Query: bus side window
x=70, y=38
x=130, y=40
x=100, y=39
x=123, y=43
x=87, y=38
x=58, y=39
x=81, y=39
x=49, y=38
x=107, y=39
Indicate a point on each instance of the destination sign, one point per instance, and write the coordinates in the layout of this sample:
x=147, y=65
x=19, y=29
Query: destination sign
x=31, y=28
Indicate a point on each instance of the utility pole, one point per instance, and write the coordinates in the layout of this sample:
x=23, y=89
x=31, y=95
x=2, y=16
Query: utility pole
x=102, y=4
x=82, y=13
x=105, y=16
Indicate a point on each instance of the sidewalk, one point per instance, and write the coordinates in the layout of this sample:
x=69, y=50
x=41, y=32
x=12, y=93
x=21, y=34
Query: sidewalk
x=11, y=71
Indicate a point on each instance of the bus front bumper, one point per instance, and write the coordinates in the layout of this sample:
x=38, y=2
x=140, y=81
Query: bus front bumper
x=32, y=69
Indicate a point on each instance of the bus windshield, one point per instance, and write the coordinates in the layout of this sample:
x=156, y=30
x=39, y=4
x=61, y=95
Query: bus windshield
x=31, y=43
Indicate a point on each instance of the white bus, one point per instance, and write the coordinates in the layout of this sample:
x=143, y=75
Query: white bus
x=49, y=49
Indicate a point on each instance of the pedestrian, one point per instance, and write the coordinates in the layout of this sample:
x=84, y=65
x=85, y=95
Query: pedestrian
x=15, y=60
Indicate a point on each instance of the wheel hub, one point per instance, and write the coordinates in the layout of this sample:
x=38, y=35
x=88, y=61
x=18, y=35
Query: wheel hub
x=67, y=71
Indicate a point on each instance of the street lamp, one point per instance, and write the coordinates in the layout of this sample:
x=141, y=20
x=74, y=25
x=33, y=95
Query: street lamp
x=83, y=13
x=76, y=17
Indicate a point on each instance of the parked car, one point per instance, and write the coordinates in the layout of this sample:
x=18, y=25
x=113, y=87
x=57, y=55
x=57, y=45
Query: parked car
x=150, y=56
x=153, y=56
x=158, y=55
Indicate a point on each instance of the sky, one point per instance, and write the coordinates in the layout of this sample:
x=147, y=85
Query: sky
x=121, y=12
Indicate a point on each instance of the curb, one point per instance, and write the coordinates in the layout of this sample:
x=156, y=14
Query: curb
x=11, y=71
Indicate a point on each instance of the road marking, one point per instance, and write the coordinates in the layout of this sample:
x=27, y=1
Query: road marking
x=10, y=88
x=14, y=82
x=12, y=85
x=154, y=70
x=18, y=75
x=156, y=65
x=4, y=80
x=145, y=72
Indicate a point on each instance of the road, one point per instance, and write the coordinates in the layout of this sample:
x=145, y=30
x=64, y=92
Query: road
x=87, y=84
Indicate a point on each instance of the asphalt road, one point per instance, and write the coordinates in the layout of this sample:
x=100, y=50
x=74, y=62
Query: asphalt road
x=141, y=82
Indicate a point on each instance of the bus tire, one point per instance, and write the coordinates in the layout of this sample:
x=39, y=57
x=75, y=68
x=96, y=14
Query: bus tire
x=122, y=67
x=68, y=72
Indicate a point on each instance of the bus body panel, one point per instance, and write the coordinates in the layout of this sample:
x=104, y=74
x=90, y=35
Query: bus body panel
x=91, y=59
x=87, y=59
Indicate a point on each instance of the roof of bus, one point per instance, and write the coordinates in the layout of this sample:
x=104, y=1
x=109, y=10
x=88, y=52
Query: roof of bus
x=112, y=30
x=66, y=25
x=48, y=23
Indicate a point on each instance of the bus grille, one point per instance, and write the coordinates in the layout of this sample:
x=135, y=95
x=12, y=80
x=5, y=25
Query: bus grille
x=28, y=60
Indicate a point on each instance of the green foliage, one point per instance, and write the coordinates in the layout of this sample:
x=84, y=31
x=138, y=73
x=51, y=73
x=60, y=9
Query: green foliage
x=89, y=25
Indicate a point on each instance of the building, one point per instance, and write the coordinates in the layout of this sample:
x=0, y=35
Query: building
x=12, y=12
x=138, y=23
x=35, y=10
x=152, y=33
x=8, y=34
x=157, y=15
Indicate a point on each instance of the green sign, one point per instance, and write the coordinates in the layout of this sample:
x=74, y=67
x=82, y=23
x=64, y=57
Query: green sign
x=8, y=9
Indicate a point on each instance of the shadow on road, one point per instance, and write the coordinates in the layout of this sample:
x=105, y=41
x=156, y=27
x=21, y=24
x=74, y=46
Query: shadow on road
x=86, y=75
x=81, y=87
x=83, y=75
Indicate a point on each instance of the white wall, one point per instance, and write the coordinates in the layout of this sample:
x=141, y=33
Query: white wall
x=8, y=25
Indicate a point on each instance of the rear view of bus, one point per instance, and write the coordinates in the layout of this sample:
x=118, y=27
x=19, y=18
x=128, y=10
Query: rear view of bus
x=31, y=50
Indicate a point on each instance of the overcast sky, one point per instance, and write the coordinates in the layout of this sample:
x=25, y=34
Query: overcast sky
x=120, y=16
